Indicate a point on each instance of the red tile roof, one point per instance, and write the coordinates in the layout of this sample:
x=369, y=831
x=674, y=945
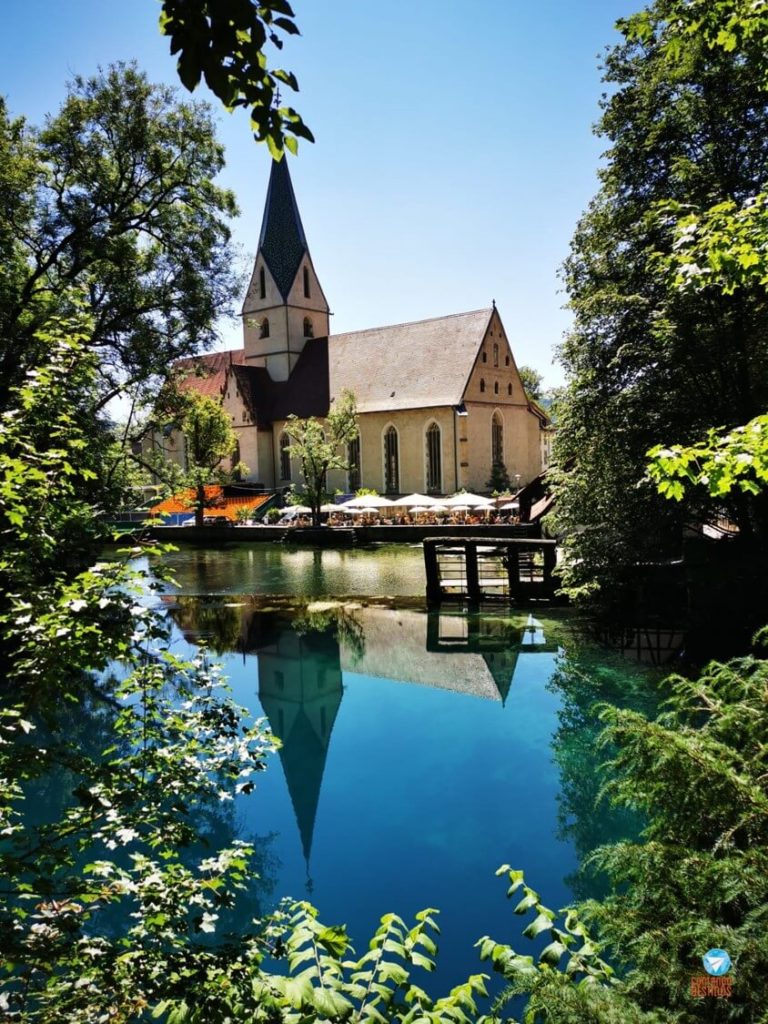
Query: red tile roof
x=208, y=374
x=224, y=507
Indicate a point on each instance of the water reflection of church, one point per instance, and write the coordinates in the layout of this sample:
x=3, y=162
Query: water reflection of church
x=302, y=662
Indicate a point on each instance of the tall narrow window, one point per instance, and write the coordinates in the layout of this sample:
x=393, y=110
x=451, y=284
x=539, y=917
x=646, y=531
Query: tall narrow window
x=308, y=329
x=353, y=462
x=482, y=384
x=285, y=457
x=497, y=440
x=434, y=466
x=264, y=331
x=262, y=284
x=495, y=354
x=391, y=462
x=509, y=389
x=306, y=282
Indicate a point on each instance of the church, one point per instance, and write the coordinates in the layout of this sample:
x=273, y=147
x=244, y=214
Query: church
x=439, y=401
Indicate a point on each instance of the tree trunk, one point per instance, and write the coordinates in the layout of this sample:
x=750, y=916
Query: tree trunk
x=199, y=504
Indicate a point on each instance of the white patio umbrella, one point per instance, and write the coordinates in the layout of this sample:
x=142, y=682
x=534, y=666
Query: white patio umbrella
x=465, y=499
x=414, y=499
x=366, y=501
x=330, y=508
x=418, y=509
x=509, y=506
x=297, y=510
x=439, y=510
x=460, y=508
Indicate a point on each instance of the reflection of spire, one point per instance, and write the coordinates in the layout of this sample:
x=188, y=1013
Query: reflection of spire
x=501, y=665
x=300, y=691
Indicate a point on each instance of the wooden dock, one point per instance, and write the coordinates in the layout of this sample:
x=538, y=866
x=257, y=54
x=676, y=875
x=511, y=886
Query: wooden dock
x=476, y=569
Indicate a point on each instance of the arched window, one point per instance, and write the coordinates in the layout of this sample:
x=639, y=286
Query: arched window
x=434, y=461
x=482, y=384
x=285, y=457
x=495, y=387
x=353, y=464
x=391, y=461
x=509, y=389
x=306, y=282
x=264, y=331
x=262, y=284
x=495, y=353
x=485, y=356
x=506, y=360
x=497, y=440
x=308, y=329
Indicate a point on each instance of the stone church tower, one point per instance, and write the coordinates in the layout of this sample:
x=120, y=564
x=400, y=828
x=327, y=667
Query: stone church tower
x=285, y=305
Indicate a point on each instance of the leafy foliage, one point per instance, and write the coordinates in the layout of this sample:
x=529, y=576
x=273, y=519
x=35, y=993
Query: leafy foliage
x=646, y=359
x=114, y=198
x=322, y=446
x=532, y=381
x=209, y=440
x=724, y=462
x=498, y=482
x=224, y=43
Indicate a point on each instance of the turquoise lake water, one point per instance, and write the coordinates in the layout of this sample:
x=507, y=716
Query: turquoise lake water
x=420, y=751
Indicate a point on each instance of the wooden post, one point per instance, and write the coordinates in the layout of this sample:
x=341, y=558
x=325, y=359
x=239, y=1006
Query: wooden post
x=550, y=562
x=513, y=569
x=434, y=591
x=470, y=567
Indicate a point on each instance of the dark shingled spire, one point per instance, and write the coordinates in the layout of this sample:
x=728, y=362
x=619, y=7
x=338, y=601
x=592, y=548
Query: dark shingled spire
x=282, y=242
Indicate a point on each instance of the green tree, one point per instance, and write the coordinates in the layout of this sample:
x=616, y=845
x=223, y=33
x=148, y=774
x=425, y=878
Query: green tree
x=647, y=360
x=532, y=381
x=209, y=441
x=224, y=42
x=115, y=196
x=498, y=482
x=320, y=446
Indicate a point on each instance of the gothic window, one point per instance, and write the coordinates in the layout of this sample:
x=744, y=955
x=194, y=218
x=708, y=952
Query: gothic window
x=485, y=356
x=482, y=384
x=306, y=282
x=264, y=331
x=308, y=329
x=391, y=462
x=509, y=389
x=497, y=439
x=506, y=360
x=285, y=457
x=262, y=284
x=434, y=466
x=353, y=462
x=495, y=387
x=495, y=353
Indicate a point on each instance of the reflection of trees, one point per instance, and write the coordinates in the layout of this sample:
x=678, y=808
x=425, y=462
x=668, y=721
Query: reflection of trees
x=585, y=678
x=216, y=621
x=77, y=740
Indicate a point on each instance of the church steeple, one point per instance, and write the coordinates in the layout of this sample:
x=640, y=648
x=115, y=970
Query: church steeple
x=285, y=305
x=282, y=241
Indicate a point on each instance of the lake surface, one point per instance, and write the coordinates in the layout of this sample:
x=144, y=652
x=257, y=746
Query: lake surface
x=420, y=751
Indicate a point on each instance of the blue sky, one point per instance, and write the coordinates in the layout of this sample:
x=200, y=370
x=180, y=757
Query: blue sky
x=454, y=148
